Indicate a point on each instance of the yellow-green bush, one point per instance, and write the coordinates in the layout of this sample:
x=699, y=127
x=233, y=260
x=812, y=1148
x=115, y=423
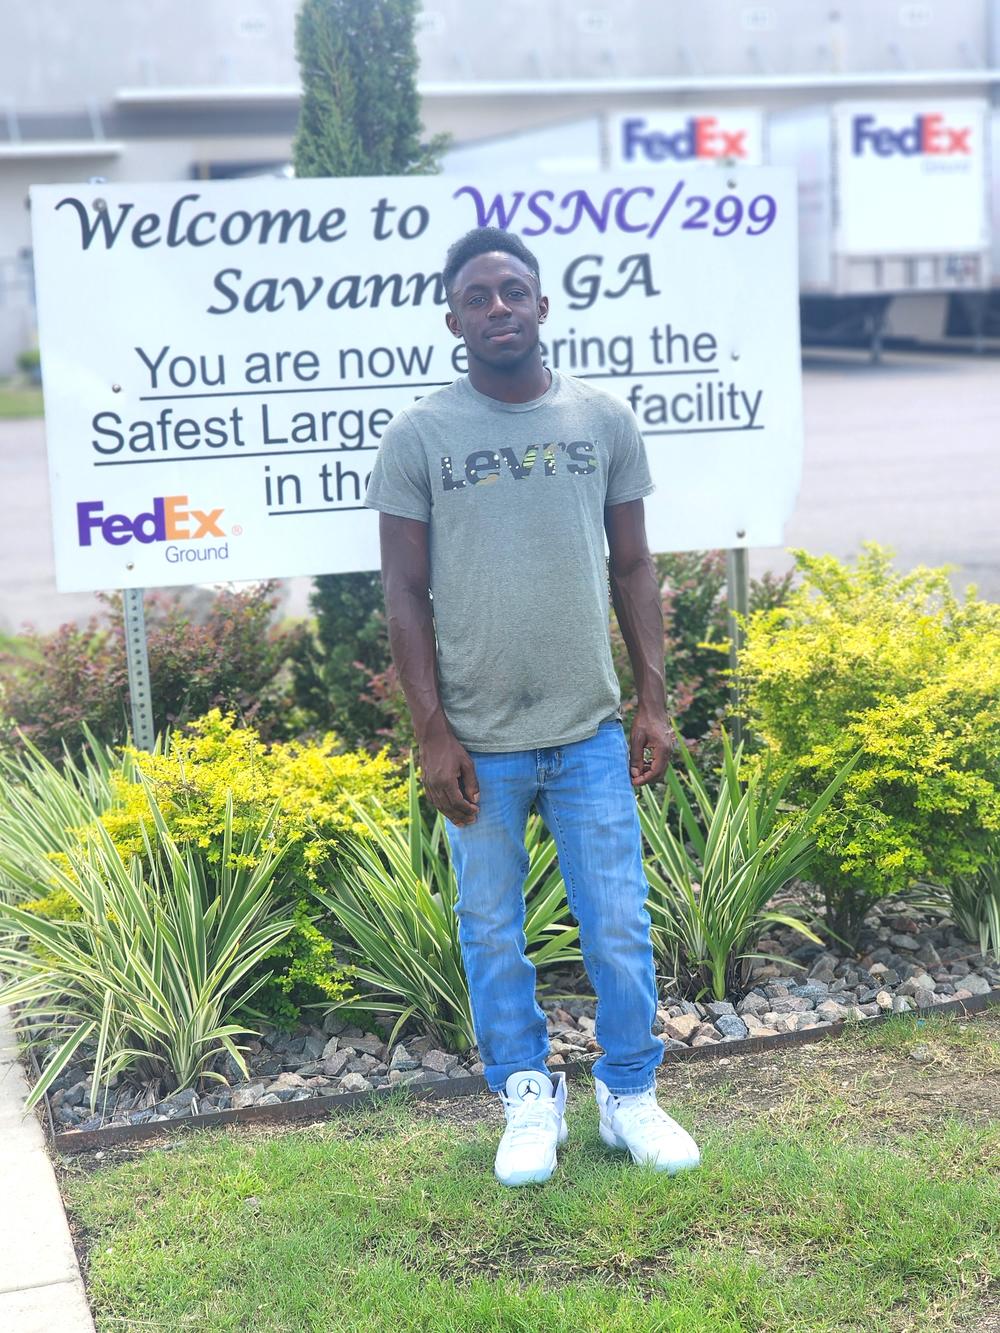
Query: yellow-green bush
x=312, y=785
x=897, y=666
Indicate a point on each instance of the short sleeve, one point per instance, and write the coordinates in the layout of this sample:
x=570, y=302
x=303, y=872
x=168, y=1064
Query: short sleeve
x=399, y=483
x=628, y=471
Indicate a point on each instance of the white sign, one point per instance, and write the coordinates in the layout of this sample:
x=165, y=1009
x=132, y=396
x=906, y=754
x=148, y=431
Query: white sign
x=702, y=136
x=220, y=360
x=912, y=177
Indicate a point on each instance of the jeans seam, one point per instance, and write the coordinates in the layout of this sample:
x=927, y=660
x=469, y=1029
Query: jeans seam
x=568, y=880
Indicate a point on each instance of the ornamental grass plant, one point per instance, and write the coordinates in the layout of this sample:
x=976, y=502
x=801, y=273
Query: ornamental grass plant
x=715, y=859
x=157, y=963
x=394, y=899
x=41, y=808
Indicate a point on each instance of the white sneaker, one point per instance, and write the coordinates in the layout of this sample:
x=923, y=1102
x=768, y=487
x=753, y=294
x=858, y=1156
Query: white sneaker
x=535, y=1106
x=638, y=1123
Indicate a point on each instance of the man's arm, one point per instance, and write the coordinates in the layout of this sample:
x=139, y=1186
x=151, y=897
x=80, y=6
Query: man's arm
x=636, y=598
x=448, y=772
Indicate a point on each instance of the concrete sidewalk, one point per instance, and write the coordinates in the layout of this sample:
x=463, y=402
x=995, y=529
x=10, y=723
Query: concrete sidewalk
x=41, y=1290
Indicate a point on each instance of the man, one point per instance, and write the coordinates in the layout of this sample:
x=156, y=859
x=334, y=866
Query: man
x=495, y=494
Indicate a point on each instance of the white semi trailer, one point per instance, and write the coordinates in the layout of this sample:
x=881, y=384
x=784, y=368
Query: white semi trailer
x=893, y=212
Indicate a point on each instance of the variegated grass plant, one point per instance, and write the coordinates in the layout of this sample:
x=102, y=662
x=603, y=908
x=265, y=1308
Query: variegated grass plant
x=155, y=968
x=41, y=808
x=713, y=864
x=395, y=902
x=975, y=904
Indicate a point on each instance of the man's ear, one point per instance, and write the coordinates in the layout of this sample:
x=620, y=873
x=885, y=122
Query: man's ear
x=543, y=308
x=454, y=324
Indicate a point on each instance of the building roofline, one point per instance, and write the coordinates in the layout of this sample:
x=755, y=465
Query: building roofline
x=289, y=94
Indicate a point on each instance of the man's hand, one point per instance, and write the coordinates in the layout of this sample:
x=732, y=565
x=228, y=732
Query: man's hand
x=650, y=733
x=449, y=778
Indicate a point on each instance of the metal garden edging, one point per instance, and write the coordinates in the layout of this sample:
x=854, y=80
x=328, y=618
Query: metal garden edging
x=70, y=1142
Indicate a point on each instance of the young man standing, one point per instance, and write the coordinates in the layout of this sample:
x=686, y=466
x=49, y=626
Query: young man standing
x=495, y=495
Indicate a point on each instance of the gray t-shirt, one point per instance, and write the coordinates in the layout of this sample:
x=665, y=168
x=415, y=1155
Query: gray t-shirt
x=514, y=494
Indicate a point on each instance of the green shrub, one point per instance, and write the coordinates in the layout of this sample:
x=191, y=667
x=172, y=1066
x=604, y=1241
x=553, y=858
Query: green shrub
x=896, y=666
x=696, y=638
x=233, y=660
x=334, y=661
x=315, y=790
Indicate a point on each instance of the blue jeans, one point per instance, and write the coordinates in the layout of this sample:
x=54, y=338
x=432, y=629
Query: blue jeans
x=584, y=794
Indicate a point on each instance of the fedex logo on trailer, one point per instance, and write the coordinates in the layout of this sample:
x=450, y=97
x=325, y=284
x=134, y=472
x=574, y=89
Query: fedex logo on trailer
x=702, y=136
x=927, y=134
x=732, y=136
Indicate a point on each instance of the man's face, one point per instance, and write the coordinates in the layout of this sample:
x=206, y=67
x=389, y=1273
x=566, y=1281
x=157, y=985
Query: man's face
x=496, y=308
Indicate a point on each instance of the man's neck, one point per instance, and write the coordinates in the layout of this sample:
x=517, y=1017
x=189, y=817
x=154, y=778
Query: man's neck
x=519, y=385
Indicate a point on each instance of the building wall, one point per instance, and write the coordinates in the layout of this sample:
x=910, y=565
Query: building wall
x=161, y=90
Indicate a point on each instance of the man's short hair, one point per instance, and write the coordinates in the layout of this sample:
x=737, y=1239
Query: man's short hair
x=484, y=241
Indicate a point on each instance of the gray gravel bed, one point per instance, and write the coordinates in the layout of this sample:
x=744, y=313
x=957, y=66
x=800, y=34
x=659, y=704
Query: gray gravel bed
x=906, y=961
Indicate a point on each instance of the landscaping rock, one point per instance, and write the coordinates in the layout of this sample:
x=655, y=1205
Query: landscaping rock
x=884, y=1000
x=716, y=1008
x=732, y=1027
x=368, y=1044
x=814, y=991
x=907, y=942
x=269, y=1099
x=247, y=1095
x=354, y=1083
x=330, y=1048
x=287, y=1081
x=439, y=1062
x=918, y=981
x=402, y=1060
x=403, y=1077
x=76, y=1094
x=976, y=985
x=683, y=1027
x=790, y=1004
x=335, y=1064
x=178, y=1104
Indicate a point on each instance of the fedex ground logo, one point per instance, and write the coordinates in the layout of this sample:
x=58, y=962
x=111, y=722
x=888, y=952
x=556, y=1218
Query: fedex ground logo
x=930, y=134
x=170, y=518
x=707, y=137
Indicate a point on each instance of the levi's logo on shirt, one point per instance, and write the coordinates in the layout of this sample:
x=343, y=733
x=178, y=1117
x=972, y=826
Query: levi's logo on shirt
x=489, y=465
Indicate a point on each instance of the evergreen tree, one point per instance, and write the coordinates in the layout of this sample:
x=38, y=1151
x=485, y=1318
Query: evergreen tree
x=360, y=116
x=360, y=111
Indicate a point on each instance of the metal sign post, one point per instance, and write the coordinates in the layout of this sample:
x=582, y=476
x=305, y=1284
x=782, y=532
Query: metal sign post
x=140, y=696
x=738, y=602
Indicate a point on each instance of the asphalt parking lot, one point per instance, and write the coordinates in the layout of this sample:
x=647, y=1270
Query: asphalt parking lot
x=906, y=453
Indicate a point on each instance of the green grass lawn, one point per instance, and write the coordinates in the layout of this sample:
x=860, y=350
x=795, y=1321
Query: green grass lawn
x=19, y=400
x=843, y=1186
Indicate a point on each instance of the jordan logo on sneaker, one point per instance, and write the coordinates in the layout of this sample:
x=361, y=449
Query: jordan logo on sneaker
x=528, y=1087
